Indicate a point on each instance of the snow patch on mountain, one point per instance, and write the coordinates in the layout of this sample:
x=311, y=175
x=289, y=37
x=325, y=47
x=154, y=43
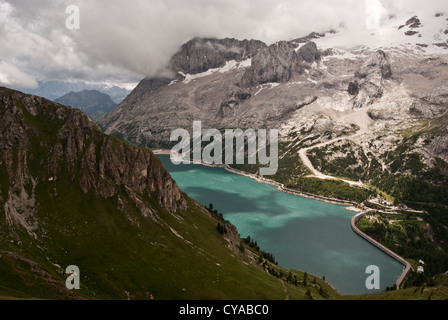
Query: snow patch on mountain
x=230, y=65
x=429, y=32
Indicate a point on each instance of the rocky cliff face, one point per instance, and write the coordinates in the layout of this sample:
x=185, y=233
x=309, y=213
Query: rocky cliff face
x=201, y=54
x=272, y=64
x=279, y=62
x=369, y=79
x=97, y=163
x=224, y=96
x=313, y=92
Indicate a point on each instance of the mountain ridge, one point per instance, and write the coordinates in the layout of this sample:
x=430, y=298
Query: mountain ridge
x=70, y=195
x=92, y=102
x=53, y=89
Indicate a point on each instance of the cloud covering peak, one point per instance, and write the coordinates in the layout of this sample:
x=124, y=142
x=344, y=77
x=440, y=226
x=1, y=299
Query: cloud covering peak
x=123, y=41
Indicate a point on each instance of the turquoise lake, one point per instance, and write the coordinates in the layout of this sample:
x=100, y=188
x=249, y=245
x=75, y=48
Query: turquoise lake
x=302, y=233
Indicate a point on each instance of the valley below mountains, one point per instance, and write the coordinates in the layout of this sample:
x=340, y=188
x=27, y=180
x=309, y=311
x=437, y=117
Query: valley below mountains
x=358, y=117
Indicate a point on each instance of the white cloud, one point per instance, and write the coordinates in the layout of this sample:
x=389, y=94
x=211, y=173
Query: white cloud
x=123, y=41
x=13, y=77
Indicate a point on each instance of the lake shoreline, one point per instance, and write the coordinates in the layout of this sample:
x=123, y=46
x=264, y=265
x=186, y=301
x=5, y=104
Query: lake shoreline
x=345, y=207
x=351, y=206
x=403, y=261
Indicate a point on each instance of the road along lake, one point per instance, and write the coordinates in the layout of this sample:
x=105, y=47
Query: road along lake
x=302, y=233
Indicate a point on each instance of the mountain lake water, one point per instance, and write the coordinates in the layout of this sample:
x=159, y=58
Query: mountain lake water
x=302, y=233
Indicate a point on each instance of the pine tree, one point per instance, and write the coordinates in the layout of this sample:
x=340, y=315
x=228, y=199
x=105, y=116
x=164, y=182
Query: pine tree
x=308, y=295
x=289, y=279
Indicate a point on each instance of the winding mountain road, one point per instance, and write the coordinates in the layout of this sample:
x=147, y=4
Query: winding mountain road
x=362, y=120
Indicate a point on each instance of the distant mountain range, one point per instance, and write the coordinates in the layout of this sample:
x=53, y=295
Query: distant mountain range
x=92, y=102
x=53, y=89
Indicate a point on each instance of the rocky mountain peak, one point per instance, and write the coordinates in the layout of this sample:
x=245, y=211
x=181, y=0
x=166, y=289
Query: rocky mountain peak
x=271, y=64
x=312, y=36
x=368, y=83
x=413, y=23
x=274, y=63
x=88, y=101
x=378, y=65
x=278, y=62
x=42, y=141
x=201, y=54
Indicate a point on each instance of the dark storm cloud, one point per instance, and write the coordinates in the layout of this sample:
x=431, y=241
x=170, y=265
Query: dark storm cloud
x=123, y=41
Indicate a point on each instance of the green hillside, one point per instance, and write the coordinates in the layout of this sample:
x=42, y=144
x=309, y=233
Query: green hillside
x=73, y=196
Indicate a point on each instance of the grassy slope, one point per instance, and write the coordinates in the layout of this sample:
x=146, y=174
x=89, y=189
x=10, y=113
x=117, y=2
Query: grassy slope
x=436, y=290
x=114, y=257
x=120, y=253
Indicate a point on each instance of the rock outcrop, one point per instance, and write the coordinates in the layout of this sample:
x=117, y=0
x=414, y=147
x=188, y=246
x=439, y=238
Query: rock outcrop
x=278, y=62
x=291, y=85
x=309, y=52
x=369, y=79
x=412, y=24
x=201, y=54
x=272, y=64
x=70, y=195
x=98, y=163
x=88, y=101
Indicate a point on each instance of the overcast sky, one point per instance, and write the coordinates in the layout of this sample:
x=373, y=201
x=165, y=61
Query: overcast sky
x=122, y=41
